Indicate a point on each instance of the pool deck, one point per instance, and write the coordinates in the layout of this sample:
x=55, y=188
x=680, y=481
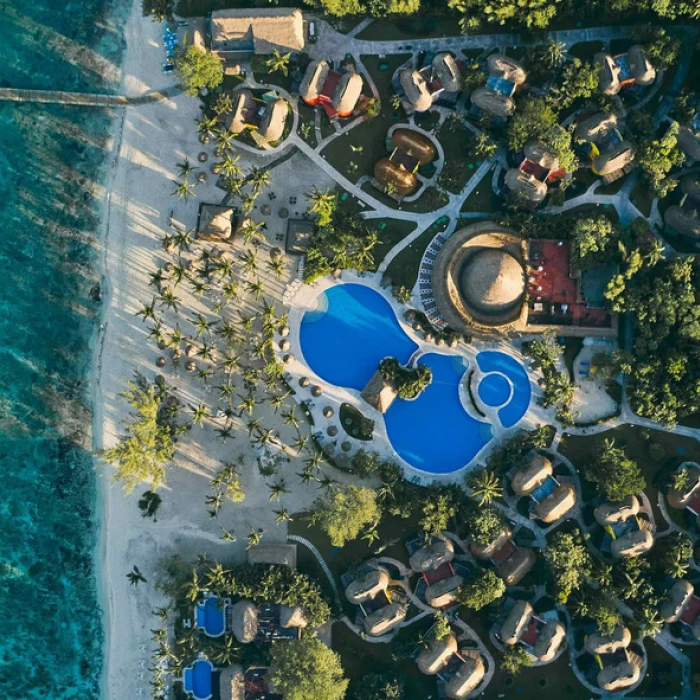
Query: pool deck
x=303, y=299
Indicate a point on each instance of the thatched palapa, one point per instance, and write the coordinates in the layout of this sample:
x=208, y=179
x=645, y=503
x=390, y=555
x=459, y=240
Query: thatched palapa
x=447, y=72
x=611, y=513
x=215, y=222
x=313, y=80
x=347, y=93
x=608, y=644
x=292, y=617
x=493, y=102
x=677, y=600
x=525, y=185
x=488, y=550
x=690, y=185
x=401, y=180
x=596, y=128
x=279, y=554
x=557, y=504
x=501, y=66
x=242, y=103
x=516, y=622
x=417, y=145
x=244, y=621
x=642, y=71
x=619, y=676
x=367, y=587
x=443, y=592
x=232, y=683
x=432, y=556
x=538, y=152
x=379, y=392
x=608, y=72
x=680, y=498
x=385, y=619
x=438, y=653
x=632, y=544
x=261, y=31
x=549, y=640
x=416, y=90
x=466, y=678
x=689, y=141
x=615, y=159
x=528, y=478
x=514, y=569
x=684, y=220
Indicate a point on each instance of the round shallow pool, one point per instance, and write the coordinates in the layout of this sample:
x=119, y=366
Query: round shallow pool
x=494, y=390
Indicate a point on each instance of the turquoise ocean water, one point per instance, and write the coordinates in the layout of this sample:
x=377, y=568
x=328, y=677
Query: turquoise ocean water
x=50, y=159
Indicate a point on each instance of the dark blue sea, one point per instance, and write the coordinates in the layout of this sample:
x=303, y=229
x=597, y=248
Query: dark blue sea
x=51, y=161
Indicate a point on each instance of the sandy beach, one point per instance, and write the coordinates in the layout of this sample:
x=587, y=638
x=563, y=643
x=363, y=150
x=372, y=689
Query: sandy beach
x=149, y=141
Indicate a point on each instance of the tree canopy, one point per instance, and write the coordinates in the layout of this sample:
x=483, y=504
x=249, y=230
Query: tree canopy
x=485, y=587
x=570, y=562
x=656, y=158
x=533, y=118
x=484, y=524
x=198, y=69
x=149, y=443
x=307, y=670
x=379, y=686
x=593, y=240
x=615, y=475
x=345, y=512
x=535, y=14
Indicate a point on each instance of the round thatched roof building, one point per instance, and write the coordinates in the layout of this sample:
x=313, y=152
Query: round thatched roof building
x=416, y=90
x=632, y=544
x=232, y=683
x=479, y=278
x=525, y=185
x=676, y=601
x=619, y=676
x=550, y=639
x=610, y=513
x=642, y=71
x=690, y=185
x=415, y=144
x=312, y=83
x=609, y=644
x=689, y=141
x=438, y=653
x=493, y=102
x=538, y=469
x=486, y=551
x=367, y=586
x=516, y=621
x=684, y=220
x=557, y=504
x=595, y=128
x=466, y=678
x=447, y=72
x=514, y=569
x=608, y=72
x=385, y=619
x=502, y=66
x=431, y=556
x=244, y=621
x=443, y=592
x=401, y=180
x=616, y=158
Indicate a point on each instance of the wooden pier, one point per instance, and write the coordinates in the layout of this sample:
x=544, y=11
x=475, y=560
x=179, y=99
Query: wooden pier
x=82, y=99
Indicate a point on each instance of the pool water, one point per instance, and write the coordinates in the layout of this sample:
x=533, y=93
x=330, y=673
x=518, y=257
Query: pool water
x=350, y=332
x=353, y=328
x=433, y=432
x=211, y=617
x=197, y=679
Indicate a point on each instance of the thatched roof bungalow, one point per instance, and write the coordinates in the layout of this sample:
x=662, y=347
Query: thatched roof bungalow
x=279, y=554
x=516, y=622
x=346, y=88
x=642, y=71
x=528, y=478
x=611, y=513
x=403, y=182
x=632, y=544
x=689, y=141
x=597, y=643
x=415, y=88
x=292, y=617
x=242, y=104
x=514, y=569
x=501, y=66
x=608, y=73
x=215, y=222
x=690, y=185
x=346, y=94
x=487, y=551
x=379, y=392
x=680, y=498
x=538, y=152
x=466, y=678
x=385, y=619
x=438, y=653
x=312, y=83
x=684, y=220
x=259, y=31
x=493, y=102
x=415, y=144
x=619, y=676
x=446, y=70
x=232, y=683
x=268, y=118
x=551, y=637
x=367, y=587
x=244, y=621
x=444, y=592
x=525, y=185
x=615, y=159
x=432, y=555
x=557, y=504
x=677, y=600
x=596, y=127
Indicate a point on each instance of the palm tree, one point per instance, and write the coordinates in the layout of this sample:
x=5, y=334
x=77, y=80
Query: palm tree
x=278, y=62
x=226, y=390
x=207, y=128
x=322, y=202
x=234, y=185
x=485, y=486
x=202, y=324
x=175, y=337
x=162, y=613
x=250, y=261
x=199, y=413
x=254, y=425
x=255, y=537
x=223, y=104
x=193, y=587
x=325, y=482
x=178, y=274
x=206, y=351
x=251, y=230
x=248, y=202
x=289, y=418
x=277, y=400
x=229, y=166
x=156, y=278
x=230, y=363
x=224, y=268
x=314, y=460
x=185, y=168
x=277, y=267
x=169, y=300
x=184, y=190
x=282, y=516
x=371, y=535
x=156, y=332
x=135, y=576
x=655, y=252
x=204, y=373
x=247, y=404
x=265, y=437
x=227, y=654
x=225, y=433
x=255, y=288
x=224, y=142
x=215, y=579
x=554, y=53
x=395, y=101
x=148, y=311
x=277, y=489
x=301, y=441
x=227, y=535
x=306, y=476
x=259, y=179
x=230, y=291
x=183, y=240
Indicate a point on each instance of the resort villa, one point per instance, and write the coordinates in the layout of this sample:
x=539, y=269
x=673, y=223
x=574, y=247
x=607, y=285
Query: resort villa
x=506, y=76
x=337, y=92
x=439, y=583
x=541, y=638
x=459, y=672
x=611, y=155
x=264, y=117
x=396, y=174
x=550, y=500
x=689, y=138
x=619, y=666
x=627, y=534
x=684, y=218
x=631, y=68
x=538, y=170
x=688, y=496
x=512, y=563
x=683, y=606
x=440, y=79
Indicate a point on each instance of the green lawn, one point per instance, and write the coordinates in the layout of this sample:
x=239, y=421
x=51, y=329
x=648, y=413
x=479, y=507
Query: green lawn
x=460, y=160
x=642, y=198
x=403, y=269
x=664, y=678
x=585, y=50
x=394, y=230
x=483, y=198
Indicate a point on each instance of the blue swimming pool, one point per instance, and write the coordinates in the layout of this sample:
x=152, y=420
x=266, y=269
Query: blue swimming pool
x=352, y=329
x=433, y=432
x=504, y=365
x=211, y=617
x=197, y=679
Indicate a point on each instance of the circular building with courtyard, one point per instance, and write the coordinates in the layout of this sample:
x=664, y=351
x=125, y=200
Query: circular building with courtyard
x=479, y=278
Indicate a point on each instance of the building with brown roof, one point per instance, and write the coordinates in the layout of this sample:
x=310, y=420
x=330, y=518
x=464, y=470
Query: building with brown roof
x=598, y=643
x=466, y=677
x=241, y=32
x=506, y=68
x=623, y=69
x=385, y=619
x=528, y=478
x=265, y=119
x=493, y=102
x=516, y=622
x=215, y=222
x=557, y=504
x=677, y=599
x=612, y=513
x=232, y=683
x=525, y=186
x=415, y=91
x=517, y=566
x=276, y=554
x=433, y=658
x=444, y=592
x=618, y=159
x=487, y=551
x=620, y=676
x=632, y=544
x=421, y=88
x=368, y=586
x=337, y=92
x=689, y=138
x=596, y=128
x=432, y=556
x=379, y=392
x=244, y=621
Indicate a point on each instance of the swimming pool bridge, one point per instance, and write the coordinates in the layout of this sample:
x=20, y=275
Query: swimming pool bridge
x=84, y=99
